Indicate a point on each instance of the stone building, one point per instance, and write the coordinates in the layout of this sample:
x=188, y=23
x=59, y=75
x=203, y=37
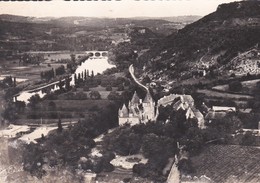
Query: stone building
x=138, y=110
x=186, y=103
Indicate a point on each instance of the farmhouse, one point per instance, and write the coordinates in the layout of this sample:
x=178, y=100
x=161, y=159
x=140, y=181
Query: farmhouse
x=138, y=110
x=218, y=112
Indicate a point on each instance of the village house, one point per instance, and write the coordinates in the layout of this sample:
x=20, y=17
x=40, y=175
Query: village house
x=223, y=108
x=218, y=112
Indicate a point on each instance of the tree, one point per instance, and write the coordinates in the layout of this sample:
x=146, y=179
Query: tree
x=120, y=87
x=85, y=74
x=10, y=92
x=60, y=128
x=14, y=84
x=94, y=95
x=73, y=57
x=152, y=145
x=194, y=140
x=146, y=79
x=52, y=105
x=235, y=86
x=61, y=84
x=20, y=106
x=92, y=74
x=113, y=96
x=126, y=142
x=60, y=70
x=228, y=124
x=109, y=88
x=34, y=100
x=185, y=166
x=67, y=83
x=10, y=112
x=8, y=81
x=248, y=139
x=75, y=79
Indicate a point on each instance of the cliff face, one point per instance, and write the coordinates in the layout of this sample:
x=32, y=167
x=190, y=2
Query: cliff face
x=212, y=41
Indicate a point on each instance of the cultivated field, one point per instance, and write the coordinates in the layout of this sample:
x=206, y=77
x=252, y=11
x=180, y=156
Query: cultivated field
x=210, y=93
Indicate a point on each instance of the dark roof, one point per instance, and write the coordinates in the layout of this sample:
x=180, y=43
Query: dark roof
x=215, y=115
x=135, y=99
x=148, y=98
x=228, y=163
x=124, y=111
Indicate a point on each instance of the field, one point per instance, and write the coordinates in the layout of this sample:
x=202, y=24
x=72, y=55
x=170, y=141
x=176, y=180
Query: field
x=223, y=98
x=229, y=164
x=76, y=105
x=216, y=94
x=27, y=73
x=247, y=87
x=67, y=110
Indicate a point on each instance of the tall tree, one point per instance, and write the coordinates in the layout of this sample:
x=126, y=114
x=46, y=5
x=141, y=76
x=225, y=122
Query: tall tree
x=85, y=74
x=92, y=74
x=60, y=128
x=75, y=79
x=14, y=83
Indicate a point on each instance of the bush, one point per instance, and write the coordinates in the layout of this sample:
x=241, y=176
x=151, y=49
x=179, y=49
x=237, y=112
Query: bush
x=52, y=105
x=120, y=88
x=109, y=88
x=85, y=88
x=248, y=139
x=235, y=86
x=185, y=166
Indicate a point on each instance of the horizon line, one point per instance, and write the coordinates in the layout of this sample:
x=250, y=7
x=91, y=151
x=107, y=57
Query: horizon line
x=150, y=17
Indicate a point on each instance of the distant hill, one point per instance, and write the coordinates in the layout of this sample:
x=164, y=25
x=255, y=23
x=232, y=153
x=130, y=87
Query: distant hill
x=84, y=21
x=184, y=19
x=210, y=42
x=23, y=33
x=91, y=20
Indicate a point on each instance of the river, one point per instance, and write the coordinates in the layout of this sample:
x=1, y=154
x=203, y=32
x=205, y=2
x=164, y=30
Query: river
x=97, y=65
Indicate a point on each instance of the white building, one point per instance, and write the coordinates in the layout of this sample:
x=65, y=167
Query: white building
x=138, y=110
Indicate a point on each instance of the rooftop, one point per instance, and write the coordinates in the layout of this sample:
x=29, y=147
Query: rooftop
x=223, y=108
x=135, y=99
x=229, y=163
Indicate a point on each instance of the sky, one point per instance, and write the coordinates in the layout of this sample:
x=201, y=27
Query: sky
x=112, y=8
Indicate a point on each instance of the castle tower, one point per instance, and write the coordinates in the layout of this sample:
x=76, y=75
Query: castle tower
x=123, y=112
x=135, y=101
x=148, y=107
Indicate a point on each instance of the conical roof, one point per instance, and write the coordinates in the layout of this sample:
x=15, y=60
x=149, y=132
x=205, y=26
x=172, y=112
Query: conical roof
x=124, y=110
x=148, y=98
x=135, y=99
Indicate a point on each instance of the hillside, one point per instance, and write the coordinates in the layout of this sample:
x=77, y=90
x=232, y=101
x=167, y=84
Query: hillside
x=211, y=42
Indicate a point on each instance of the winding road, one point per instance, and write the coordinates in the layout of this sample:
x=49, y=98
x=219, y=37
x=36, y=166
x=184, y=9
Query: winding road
x=131, y=70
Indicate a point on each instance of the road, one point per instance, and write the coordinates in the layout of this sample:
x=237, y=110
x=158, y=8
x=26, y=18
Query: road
x=131, y=70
